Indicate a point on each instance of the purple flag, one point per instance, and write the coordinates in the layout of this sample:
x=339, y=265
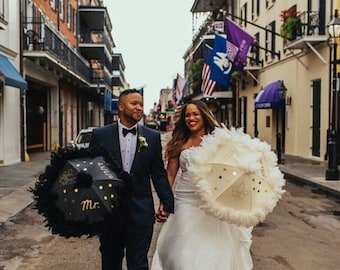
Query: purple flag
x=241, y=39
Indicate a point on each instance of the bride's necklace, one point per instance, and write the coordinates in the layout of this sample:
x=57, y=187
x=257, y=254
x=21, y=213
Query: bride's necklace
x=195, y=139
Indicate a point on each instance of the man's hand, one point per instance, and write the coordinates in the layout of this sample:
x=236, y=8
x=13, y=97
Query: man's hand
x=161, y=215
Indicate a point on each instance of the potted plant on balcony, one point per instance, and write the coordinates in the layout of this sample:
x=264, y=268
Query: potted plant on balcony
x=291, y=26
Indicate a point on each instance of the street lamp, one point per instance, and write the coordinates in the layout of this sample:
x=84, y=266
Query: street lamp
x=332, y=172
x=282, y=93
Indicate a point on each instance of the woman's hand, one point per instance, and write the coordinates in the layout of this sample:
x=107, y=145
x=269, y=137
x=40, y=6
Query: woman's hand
x=161, y=215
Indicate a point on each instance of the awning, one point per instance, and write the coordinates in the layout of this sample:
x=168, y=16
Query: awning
x=12, y=76
x=271, y=96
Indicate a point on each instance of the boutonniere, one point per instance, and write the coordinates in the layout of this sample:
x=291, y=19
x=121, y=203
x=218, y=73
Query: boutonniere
x=142, y=143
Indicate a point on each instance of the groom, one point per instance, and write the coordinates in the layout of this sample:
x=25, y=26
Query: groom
x=138, y=149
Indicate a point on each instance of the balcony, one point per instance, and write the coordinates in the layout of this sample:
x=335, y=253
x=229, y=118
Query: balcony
x=118, y=77
x=206, y=35
x=95, y=41
x=205, y=6
x=47, y=48
x=94, y=28
x=310, y=32
x=101, y=76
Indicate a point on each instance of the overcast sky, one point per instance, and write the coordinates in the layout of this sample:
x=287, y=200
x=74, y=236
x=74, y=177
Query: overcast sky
x=152, y=37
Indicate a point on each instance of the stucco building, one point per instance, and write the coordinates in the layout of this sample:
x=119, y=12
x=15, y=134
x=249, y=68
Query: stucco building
x=300, y=122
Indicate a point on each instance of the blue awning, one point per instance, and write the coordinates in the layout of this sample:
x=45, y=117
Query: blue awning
x=12, y=76
x=271, y=96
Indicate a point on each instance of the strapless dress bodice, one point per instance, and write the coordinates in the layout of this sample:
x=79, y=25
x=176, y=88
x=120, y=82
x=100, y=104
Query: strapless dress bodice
x=185, y=187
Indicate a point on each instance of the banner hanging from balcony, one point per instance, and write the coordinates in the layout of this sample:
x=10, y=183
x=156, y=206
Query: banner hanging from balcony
x=107, y=100
x=241, y=39
x=221, y=66
x=271, y=96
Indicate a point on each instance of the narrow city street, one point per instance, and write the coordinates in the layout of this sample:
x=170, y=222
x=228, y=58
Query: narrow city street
x=268, y=67
x=302, y=233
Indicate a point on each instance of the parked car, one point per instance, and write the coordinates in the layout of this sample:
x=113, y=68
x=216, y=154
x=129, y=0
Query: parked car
x=152, y=124
x=83, y=138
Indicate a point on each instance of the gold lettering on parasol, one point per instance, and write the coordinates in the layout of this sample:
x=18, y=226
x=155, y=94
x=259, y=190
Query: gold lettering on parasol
x=89, y=205
x=105, y=170
x=66, y=176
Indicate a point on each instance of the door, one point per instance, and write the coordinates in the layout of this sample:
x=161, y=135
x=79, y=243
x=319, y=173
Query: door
x=36, y=113
x=316, y=100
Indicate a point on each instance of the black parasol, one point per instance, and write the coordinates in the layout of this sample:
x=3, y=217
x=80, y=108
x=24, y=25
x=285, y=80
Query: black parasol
x=82, y=192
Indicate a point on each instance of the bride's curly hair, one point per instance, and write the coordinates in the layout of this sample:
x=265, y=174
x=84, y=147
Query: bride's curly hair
x=181, y=132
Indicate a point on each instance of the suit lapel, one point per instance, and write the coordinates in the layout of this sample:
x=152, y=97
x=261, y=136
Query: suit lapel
x=116, y=144
x=137, y=153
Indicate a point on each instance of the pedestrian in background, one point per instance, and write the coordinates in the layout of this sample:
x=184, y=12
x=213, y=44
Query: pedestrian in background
x=191, y=239
x=138, y=149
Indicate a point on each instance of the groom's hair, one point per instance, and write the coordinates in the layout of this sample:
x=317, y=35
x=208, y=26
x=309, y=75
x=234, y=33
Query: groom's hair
x=127, y=92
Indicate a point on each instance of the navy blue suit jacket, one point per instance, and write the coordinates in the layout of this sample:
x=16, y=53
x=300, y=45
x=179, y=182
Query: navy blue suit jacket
x=147, y=164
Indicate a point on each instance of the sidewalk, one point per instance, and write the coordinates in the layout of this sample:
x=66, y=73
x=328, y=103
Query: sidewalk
x=15, y=180
x=309, y=172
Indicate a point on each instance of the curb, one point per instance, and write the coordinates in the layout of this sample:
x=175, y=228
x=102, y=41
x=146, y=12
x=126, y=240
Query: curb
x=316, y=184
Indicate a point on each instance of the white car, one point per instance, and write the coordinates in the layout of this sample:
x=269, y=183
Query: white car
x=83, y=138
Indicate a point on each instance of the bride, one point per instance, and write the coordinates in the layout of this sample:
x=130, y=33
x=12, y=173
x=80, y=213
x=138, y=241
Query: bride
x=190, y=239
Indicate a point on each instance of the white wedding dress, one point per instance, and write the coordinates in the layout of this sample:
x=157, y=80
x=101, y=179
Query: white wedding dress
x=190, y=239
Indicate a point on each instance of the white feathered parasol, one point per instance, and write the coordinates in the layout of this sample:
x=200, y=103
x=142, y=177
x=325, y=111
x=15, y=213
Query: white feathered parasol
x=238, y=180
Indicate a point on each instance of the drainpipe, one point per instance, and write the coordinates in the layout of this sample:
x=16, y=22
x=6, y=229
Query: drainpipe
x=24, y=155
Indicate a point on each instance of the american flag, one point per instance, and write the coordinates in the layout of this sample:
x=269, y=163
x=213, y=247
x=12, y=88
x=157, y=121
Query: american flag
x=208, y=85
x=181, y=86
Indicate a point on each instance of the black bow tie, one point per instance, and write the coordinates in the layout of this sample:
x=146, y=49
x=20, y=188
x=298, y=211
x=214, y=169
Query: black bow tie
x=126, y=131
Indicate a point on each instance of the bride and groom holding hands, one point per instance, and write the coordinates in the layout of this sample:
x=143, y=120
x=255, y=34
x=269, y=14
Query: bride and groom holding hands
x=189, y=238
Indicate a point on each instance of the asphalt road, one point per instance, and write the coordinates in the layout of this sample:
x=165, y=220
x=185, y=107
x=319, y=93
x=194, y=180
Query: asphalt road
x=302, y=233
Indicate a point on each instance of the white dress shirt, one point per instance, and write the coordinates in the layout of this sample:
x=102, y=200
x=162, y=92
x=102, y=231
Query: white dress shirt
x=128, y=146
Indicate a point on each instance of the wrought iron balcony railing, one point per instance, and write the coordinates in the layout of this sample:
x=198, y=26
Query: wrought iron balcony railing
x=38, y=36
x=98, y=75
x=305, y=25
x=311, y=23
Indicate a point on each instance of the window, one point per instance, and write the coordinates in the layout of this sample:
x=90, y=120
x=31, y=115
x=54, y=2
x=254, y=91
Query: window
x=255, y=9
x=255, y=51
x=74, y=22
x=61, y=9
x=244, y=16
x=52, y=4
x=68, y=15
x=270, y=41
x=267, y=121
x=2, y=9
x=269, y=3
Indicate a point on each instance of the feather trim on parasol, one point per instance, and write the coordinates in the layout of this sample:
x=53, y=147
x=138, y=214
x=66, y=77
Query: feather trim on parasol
x=238, y=180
